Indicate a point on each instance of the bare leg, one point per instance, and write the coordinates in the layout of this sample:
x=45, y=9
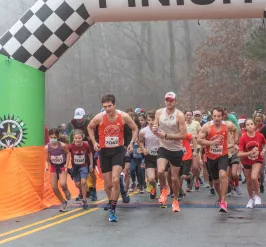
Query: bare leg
x=223, y=184
x=175, y=180
x=54, y=181
x=161, y=164
x=256, y=168
x=108, y=184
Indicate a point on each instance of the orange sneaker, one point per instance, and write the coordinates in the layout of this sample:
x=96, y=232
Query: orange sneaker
x=175, y=206
x=163, y=198
x=153, y=193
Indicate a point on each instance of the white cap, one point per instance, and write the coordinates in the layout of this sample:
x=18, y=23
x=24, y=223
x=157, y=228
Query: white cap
x=79, y=113
x=241, y=121
x=170, y=95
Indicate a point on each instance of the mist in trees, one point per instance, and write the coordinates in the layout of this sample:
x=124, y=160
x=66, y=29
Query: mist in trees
x=218, y=62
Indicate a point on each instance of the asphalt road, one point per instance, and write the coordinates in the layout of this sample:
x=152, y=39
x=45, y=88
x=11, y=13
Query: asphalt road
x=142, y=223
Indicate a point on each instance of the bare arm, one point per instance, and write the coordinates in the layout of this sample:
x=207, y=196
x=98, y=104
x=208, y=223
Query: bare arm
x=203, y=134
x=46, y=154
x=182, y=135
x=156, y=121
x=233, y=129
x=92, y=125
x=141, y=142
x=131, y=124
x=194, y=142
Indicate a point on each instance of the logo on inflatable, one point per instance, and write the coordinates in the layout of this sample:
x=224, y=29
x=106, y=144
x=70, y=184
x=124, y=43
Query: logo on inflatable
x=145, y=3
x=12, y=132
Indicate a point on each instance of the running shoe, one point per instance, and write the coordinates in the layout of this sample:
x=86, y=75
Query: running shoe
x=125, y=197
x=68, y=195
x=88, y=194
x=79, y=198
x=197, y=185
x=85, y=205
x=212, y=192
x=163, y=198
x=238, y=190
x=107, y=207
x=223, y=207
x=240, y=177
x=207, y=186
x=200, y=181
x=153, y=193
x=132, y=187
x=189, y=190
x=262, y=188
x=149, y=188
x=112, y=216
x=257, y=201
x=175, y=206
x=244, y=181
x=181, y=196
x=94, y=195
x=141, y=189
x=63, y=207
x=250, y=203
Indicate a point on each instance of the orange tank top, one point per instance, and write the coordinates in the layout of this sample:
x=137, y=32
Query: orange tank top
x=111, y=134
x=215, y=151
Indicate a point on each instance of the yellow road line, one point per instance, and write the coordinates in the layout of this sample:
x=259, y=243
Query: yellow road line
x=46, y=220
x=48, y=225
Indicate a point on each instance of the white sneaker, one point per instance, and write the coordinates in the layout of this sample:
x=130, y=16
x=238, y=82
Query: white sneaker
x=250, y=203
x=257, y=200
x=238, y=190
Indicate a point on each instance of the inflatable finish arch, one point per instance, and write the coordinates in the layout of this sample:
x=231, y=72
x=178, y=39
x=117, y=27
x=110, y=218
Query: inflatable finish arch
x=35, y=42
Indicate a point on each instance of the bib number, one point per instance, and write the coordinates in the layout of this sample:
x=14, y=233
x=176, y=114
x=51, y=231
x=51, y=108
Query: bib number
x=111, y=142
x=153, y=152
x=216, y=149
x=79, y=159
x=57, y=160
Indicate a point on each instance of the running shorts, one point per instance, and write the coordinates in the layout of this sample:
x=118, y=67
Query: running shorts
x=110, y=157
x=151, y=161
x=215, y=166
x=174, y=157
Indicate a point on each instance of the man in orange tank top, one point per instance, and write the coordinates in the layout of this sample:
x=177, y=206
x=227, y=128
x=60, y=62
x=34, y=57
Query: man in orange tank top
x=111, y=146
x=214, y=135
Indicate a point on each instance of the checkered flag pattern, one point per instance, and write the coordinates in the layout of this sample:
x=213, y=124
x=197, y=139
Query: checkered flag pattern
x=45, y=32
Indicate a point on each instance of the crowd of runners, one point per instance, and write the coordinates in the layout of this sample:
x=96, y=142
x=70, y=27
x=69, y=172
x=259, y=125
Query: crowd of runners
x=166, y=153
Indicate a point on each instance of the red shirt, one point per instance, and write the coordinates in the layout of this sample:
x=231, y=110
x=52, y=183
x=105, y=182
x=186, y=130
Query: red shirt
x=111, y=134
x=79, y=154
x=187, y=148
x=214, y=152
x=247, y=143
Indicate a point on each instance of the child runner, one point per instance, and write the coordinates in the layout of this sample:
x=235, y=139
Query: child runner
x=57, y=157
x=251, y=146
x=81, y=158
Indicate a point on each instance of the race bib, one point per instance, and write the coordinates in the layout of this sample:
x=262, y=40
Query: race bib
x=216, y=149
x=79, y=159
x=111, y=142
x=57, y=160
x=153, y=152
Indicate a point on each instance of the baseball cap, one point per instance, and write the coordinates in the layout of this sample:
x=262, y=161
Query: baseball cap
x=79, y=113
x=197, y=112
x=241, y=119
x=170, y=95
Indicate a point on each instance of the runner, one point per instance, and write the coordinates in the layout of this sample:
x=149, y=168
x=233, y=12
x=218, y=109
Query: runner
x=214, y=136
x=149, y=145
x=111, y=146
x=252, y=151
x=194, y=127
x=170, y=128
x=258, y=120
x=187, y=161
x=57, y=158
x=81, y=155
x=81, y=121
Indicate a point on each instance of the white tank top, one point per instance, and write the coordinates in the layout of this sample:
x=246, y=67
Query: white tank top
x=168, y=124
x=151, y=141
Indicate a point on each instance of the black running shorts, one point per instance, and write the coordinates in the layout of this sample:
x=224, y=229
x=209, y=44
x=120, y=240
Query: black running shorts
x=110, y=157
x=174, y=157
x=215, y=166
x=185, y=168
x=151, y=161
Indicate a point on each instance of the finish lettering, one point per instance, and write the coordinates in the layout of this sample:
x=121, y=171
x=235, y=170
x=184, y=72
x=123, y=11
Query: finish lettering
x=145, y=3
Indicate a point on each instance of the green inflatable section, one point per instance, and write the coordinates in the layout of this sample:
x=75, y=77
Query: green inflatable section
x=22, y=91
